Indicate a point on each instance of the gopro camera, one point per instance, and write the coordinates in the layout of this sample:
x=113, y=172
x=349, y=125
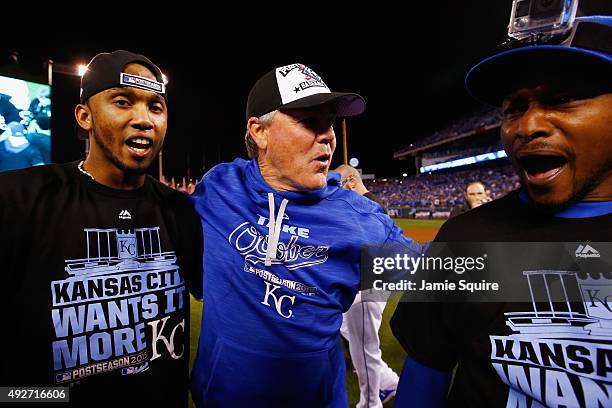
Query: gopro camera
x=537, y=20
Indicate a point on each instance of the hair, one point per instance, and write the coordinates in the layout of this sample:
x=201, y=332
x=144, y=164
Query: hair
x=474, y=183
x=251, y=146
x=347, y=171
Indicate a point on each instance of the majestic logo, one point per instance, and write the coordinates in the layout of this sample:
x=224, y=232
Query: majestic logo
x=559, y=354
x=586, y=251
x=125, y=215
x=278, y=300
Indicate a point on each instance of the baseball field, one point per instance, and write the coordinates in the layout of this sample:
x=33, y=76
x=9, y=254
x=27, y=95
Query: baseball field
x=393, y=354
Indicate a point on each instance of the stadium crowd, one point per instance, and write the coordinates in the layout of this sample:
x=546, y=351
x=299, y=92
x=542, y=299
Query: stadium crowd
x=427, y=190
x=462, y=151
x=464, y=127
x=442, y=189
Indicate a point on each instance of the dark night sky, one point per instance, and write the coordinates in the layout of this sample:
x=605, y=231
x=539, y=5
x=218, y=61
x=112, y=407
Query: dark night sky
x=407, y=61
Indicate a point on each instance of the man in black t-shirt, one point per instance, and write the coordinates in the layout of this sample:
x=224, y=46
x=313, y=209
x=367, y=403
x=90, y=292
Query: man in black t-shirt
x=557, y=131
x=98, y=257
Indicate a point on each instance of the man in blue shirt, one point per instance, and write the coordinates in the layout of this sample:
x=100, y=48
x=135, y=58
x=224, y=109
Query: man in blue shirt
x=282, y=249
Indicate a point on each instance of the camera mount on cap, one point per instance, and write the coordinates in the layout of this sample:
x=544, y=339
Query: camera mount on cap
x=542, y=21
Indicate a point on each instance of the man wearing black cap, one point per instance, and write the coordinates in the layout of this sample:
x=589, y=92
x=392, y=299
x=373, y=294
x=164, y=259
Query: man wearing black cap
x=96, y=254
x=556, y=98
x=282, y=249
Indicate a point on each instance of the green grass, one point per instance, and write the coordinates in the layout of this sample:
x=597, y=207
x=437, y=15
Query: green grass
x=392, y=353
x=411, y=223
x=194, y=333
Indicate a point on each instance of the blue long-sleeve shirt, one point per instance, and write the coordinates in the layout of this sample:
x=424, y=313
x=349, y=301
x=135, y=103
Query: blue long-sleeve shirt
x=292, y=308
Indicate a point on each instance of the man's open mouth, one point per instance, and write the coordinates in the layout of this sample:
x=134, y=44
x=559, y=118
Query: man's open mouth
x=542, y=167
x=139, y=145
x=323, y=159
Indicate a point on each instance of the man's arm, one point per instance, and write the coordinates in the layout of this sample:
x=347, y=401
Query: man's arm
x=424, y=331
x=422, y=386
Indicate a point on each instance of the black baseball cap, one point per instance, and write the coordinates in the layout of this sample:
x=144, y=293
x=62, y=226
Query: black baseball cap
x=587, y=53
x=105, y=71
x=296, y=86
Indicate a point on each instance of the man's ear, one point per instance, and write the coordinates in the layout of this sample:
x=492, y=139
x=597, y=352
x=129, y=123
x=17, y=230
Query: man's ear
x=82, y=114
x=351, y=184
x=258, y=133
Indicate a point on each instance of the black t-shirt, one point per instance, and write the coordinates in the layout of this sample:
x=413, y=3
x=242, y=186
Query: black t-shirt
x=95, y=287
x=496, y=365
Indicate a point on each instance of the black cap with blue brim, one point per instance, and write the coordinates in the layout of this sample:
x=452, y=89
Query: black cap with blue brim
x=586, y=51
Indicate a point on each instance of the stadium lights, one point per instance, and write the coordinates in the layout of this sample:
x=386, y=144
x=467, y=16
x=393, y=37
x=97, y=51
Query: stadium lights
x=404, y=175
x=81, y=69
x=464, y=161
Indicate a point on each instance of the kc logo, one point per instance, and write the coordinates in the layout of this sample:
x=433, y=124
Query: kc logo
x=278, y=301
x=158, y=334
x=126, y=245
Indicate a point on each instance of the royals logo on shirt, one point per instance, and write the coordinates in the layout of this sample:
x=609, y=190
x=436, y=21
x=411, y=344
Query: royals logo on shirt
x=292, y=254
x=120, y=306
x=561, y=354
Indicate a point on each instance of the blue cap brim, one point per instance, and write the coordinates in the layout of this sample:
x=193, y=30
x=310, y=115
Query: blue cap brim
x=492, y=79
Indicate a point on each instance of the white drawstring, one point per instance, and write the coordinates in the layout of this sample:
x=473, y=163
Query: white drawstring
x=274, y=227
